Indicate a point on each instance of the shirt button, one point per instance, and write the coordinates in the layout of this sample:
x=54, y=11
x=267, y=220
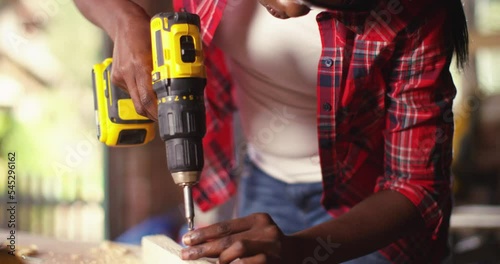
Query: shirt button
x=328, y=63
x=327, y=107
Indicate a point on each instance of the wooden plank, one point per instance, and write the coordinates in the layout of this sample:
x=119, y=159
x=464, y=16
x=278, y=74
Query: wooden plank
x=162, y=249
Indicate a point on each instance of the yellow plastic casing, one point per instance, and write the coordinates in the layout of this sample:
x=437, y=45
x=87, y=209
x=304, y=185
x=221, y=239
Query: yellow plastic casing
x=118, y=124
x=167, y=29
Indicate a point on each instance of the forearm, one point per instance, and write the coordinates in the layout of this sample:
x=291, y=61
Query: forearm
x=154, y=7
x=109, y=14
x=372, y=224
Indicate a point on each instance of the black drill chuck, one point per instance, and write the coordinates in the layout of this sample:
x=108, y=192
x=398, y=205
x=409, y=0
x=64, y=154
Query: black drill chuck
x=181, y=119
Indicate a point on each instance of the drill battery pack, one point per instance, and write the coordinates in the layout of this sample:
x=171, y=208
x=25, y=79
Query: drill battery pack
x=118, y=123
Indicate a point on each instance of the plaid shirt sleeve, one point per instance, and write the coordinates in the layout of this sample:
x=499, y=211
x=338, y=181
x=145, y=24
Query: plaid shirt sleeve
x=419, y=123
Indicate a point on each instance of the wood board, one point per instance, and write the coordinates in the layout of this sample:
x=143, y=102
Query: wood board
x=162, y=249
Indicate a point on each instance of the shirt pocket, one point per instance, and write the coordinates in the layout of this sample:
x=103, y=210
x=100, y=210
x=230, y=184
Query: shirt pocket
x=362, y=97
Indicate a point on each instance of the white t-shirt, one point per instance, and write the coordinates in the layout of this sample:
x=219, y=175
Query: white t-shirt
x=274, y=65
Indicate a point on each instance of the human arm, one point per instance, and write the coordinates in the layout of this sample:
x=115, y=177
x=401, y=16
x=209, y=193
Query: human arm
x=127, y=24
x=369, y=226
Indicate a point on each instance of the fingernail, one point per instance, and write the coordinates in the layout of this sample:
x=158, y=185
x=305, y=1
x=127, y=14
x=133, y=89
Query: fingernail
x=186, y=239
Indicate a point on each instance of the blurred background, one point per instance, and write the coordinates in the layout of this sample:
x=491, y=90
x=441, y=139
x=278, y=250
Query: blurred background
x=45, y=100
x=71, y=187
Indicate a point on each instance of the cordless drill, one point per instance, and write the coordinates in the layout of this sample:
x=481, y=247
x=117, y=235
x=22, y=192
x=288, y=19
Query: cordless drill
x=179, y=80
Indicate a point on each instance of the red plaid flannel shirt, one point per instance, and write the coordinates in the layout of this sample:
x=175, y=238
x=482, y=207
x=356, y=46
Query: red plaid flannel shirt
x=384, y=117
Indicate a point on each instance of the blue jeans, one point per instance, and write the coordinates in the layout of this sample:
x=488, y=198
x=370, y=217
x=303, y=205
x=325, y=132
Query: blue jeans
x=294, y=207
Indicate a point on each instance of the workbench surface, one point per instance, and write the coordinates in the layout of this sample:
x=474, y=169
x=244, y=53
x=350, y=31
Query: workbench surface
x=53, y=251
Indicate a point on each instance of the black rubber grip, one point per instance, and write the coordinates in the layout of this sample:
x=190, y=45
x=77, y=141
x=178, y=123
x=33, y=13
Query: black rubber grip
x=184, y=154
x=181, y=119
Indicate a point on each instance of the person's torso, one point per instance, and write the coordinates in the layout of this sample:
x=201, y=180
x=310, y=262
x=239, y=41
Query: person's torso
x=274, y=65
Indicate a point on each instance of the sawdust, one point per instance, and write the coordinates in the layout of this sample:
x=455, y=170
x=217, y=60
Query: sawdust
x=106, y=253
x=23, y=250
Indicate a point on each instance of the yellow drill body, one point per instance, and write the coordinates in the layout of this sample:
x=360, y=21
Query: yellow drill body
x=179, y=80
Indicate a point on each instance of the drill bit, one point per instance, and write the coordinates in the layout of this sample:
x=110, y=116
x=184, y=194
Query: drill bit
x=188, y=206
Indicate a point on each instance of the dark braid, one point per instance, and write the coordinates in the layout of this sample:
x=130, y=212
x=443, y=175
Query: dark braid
x=459, y=33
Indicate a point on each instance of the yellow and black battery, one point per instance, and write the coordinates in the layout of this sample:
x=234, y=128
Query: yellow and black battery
x=118, y=123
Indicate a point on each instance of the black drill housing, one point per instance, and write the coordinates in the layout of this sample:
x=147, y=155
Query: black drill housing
x=181, y=119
